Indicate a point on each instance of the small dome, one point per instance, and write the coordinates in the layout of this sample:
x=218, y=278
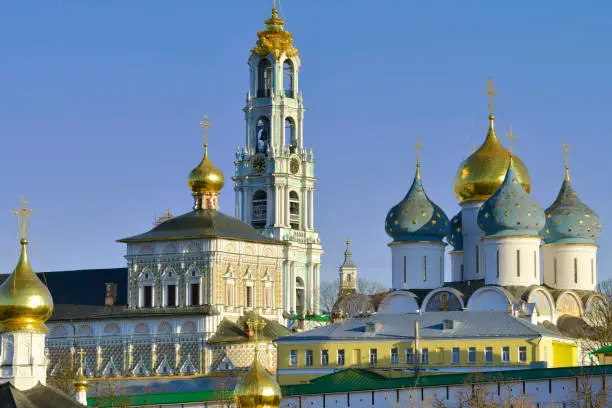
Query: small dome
x=258, y=388
x=416, y=217
x=25, y=302
x=206, y=178
x=569, y=220
x=481, y=174
x=511, y=210
x=455, y=236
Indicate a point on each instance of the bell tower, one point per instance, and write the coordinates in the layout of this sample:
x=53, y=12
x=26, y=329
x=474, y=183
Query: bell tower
x=274, y=181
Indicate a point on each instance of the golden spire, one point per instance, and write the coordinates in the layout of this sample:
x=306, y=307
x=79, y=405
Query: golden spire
x=25, y=303
x=566, y=150
x=80, y=382
x=418, y=146
x=491, y=94
x=274, y=39
x=206, y=178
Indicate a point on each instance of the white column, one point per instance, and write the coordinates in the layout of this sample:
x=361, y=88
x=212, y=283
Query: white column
x=304, y=211
x=317, y=288
x=292, y=287
x=472, y=235
x=269, y=202
x=237, y=203
x=311, y=206
x=23, y=359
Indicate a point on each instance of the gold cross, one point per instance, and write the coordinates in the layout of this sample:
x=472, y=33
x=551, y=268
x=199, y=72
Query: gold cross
x=566, y=149
x=255, y=324
x=491, y=94
x=22, y=216
x=418, y=147
x=81, y=354
x=347, y=241
x=511, y=138
x=205, y=124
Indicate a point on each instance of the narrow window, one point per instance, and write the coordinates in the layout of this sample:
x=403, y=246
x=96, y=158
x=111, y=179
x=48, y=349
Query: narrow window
x=373, y=356
x=522, y=354
x=505, y=354
x=294, y=210
x=555, y=269
x=592, y=271
x=425, y=356
x=455, y=355
x=575, y=270
x=148, y=296
x=260, y=209
x=409, y=356
x=497, y=260
x=324, y=357
x=293, y=356
x=518, y=262
x=404, y=269
x=488, y=354
x=472, y=355
x=171, y=295
x=308, y=358
x=477, y=261
x=535, y=264
x=288, y=78
x=249, y=296
x=264, y=78
x=462, y=272
x=262, y=133
x=195, y=294
x=425, y=268
x=394, y=355
x=341, y=357
x=290, y=138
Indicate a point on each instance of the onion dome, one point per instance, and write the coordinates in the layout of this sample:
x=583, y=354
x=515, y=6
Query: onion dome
x=511, y=210
x=206, y=178
x=25, y=302
x=416, y=217
x=274, y=39
x=482, y=173
x=455, y=236
x=569, y=220
x=258, y=388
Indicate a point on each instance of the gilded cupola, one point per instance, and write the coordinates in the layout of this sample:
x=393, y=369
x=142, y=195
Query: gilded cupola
x=206, y=180
x=416, y=217
x=511, y=211
x=258, y=388
x=569, y=220
x=274, y=39
x=25, y=302
x=482, y=173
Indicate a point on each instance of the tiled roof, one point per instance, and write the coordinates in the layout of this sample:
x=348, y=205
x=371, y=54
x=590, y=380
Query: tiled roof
x=84, y=286
x=202, y=224
x=87, y=312
x=39, y=396
x=392, y=326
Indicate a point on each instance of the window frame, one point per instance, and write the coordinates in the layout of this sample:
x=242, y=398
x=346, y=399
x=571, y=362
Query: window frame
x=293, y=358
x=505, y=350
x=522, y=350
x=308, y=358
x=471, y=355
x=425, y=355
x=455, y=352
x=325, y=361
x=340, y=361
x=488, y=351
x=394, y=357
x=373, y=356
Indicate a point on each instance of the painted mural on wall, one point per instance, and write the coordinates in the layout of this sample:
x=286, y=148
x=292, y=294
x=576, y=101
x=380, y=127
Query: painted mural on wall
x=542, y=304
x=568, y=305
x=443, y=302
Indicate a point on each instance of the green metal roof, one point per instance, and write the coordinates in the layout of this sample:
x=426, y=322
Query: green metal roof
x=161, y=399
x=603, y=350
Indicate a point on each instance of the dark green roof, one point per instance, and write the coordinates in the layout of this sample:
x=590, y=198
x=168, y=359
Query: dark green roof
x=603, y=350
x=202, y=224
x=355, y=380
x=162, y=398
x=237, y=332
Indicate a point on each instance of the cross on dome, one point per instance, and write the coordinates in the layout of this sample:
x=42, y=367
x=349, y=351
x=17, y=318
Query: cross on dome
x=491, y=94
x=22, y=217
x=511, y=138
x=418, y=146
x=206, y=125
x=566, y=149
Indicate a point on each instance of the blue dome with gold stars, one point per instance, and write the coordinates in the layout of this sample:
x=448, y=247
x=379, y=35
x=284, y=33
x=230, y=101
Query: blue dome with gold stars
x=511, y=210
x=455, y=235
x=416, y=217
x=569, y=220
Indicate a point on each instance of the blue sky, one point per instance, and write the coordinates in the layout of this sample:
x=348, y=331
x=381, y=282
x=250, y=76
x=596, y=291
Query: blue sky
x=100, y=104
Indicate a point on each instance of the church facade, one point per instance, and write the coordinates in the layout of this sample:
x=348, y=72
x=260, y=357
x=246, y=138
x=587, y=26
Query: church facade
x=192, y=278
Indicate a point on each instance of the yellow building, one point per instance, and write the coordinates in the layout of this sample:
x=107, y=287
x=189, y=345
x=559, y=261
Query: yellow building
x=444, y=342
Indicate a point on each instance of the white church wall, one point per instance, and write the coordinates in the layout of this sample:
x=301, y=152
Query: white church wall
x=472, y=234
x=417, y=265
x=399, y=301
x=511, y=261
x=570, y=266
x=489, y=298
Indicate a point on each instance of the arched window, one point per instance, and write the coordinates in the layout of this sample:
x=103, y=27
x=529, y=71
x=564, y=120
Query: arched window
x=260, y=209
x=264, y=79
x=290, y=137
x=262, y=133
x=294, y=210
x=288, y=78
x=299, y=295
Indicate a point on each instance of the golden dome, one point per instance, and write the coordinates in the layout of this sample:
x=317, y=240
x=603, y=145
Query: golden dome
x=206, y=178
x=482, y=173
x=257, y=389
x=25, y=302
